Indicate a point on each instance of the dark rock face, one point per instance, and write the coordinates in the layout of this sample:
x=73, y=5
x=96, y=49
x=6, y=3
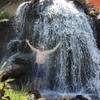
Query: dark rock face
x=97, y=27
x=20, y=69
x=6, y=33
x=79, y=97
x=15, y=46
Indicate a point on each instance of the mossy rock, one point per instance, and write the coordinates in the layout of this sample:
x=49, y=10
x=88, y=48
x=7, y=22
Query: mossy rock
x=4, y=15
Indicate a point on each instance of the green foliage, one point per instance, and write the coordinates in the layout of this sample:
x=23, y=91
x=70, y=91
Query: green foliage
x=14, y=95
x=4, y=15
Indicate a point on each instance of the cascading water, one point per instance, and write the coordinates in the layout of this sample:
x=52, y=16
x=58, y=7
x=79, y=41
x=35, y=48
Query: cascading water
x=75, y=65
x=20, y=20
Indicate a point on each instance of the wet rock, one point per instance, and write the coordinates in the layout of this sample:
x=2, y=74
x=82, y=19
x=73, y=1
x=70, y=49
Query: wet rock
x=88, y=8
x=36, y=93
x=15, y=71
x=24, y=48
x=20, y=69
x=6, y=33
x=22, y=61
x=31, y=97
x=97, y=27
x=79, y=97
x=95, y=97
x=15, y=46
x=80, y=3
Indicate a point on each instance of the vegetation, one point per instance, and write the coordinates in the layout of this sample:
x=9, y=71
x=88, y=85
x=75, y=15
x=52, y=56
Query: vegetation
x=11, y=94
x=15, y=95
x=4, y=15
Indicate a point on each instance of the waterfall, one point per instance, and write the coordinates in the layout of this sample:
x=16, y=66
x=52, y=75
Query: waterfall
x=74, y=67
x=20, y=18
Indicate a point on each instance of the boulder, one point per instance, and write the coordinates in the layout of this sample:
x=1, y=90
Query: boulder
x=79, y=97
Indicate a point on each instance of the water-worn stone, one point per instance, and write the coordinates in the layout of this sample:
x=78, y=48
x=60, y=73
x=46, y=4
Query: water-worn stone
x=79, y=97
x=31, y=97
x=36, y=93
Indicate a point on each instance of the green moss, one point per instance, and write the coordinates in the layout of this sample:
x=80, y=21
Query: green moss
x=4, y=15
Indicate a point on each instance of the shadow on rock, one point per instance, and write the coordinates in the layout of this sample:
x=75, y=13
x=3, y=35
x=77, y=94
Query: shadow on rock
x=21, y=70
x=79, y=97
